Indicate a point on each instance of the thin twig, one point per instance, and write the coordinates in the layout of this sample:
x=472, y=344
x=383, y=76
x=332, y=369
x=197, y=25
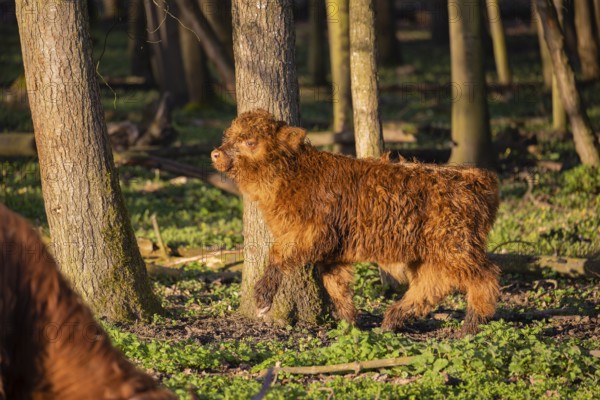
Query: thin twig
x=161, y=244
x=355, y=367
x=269, y=380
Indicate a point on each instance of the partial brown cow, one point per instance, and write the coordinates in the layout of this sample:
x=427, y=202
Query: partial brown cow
x=50, y=345
x=427, y=223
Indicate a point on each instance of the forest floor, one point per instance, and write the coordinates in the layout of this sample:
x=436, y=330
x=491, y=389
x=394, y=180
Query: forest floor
x=543, y=342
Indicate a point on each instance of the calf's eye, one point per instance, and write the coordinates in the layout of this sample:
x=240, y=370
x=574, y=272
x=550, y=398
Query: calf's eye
x=250, y=143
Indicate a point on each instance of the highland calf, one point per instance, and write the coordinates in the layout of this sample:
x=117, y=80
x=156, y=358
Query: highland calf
x=50, y=345
x=424, y=223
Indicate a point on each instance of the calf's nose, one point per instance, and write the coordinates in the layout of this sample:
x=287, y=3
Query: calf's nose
x=215, y=154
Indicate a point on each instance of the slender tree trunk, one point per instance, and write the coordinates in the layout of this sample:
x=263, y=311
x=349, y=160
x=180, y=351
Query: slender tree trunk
x=165, y=50
x=139, y=56
x=544, y=54
x=194, y=18
x=93, y=241
x=218, y=14
x=365, y=92
x=470, y=115
x=439, y=22
x=317, y=67
x=388, y=45
x=270, y=82
x=499, y=41
x=339, y=46
x=586, y=142
x=596, y=18
x=197, y=75
x=587, y=47
x=559, y=115
x=111, y=8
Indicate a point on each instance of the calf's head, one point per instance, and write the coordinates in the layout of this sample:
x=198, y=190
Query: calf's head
x=254, y=141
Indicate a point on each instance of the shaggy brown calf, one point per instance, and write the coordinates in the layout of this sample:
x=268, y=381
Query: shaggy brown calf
x=50, y=345
x=426, y=223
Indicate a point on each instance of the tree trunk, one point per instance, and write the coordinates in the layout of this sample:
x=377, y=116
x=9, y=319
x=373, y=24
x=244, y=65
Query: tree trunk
x=139, y=56
x=316, y=50
x=544, y=54
x=470, y=116
x=270, y=82
x=111, y=8
x=93, y=241
x=587, y=47
x=586, y=143
x=559, y=115
x=363, y=67
x=439, y=22
x=597, y=19
x=163, y=41
x=339, y=50
x=388, y=45
x=194, y=18
x=499, y=42
x=197, y=75
x=218, y=15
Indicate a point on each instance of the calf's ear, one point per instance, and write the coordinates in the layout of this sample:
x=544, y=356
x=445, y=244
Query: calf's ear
x=291, y=135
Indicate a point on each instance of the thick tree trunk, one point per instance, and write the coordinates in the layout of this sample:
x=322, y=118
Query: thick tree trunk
x=587, y=47
x=388, y=45
x=193, y=17
x=317, y=67
x=197, y=75
x=270, y=82
x=499, y=42
x=139, y=56
x=93, y=241
x=339, y=51
x=544, y=53
x=363, y=67
x=586, y=143
x=439, y=22
x=470, y=116
x=163, y=41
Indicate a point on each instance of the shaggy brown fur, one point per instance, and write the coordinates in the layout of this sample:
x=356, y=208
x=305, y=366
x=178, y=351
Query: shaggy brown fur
x=422, y=223
x=50, y=345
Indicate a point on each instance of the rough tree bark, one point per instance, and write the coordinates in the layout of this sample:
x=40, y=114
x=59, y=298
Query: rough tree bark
x=470, y=115
x=587, y=47
x=93, y=241
x=339, y=51
x=365, y=92
x=498, y=41
x=265, y=27
x=165, y=51
x=317, y=67
x=586, y=142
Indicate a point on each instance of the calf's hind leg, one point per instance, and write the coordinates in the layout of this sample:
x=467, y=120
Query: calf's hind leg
x=426, y=288
x=482, y=293
x=337, y=279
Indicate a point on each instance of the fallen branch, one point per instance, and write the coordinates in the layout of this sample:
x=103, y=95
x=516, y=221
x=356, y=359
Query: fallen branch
x=17, y=144
x=161, y=244
x=567, y=266
x=149, y=161
x=355, y=367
